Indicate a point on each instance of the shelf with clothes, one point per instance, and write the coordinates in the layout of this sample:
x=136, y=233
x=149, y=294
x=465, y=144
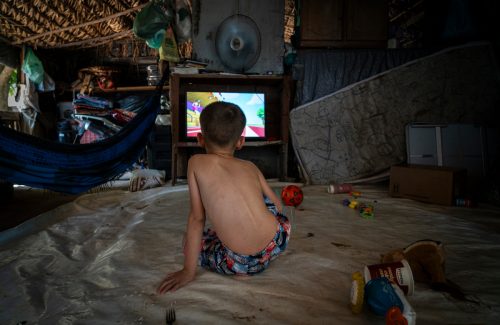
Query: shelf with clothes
x=102, y=113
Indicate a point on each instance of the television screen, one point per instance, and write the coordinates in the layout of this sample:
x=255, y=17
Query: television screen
x=252, y=104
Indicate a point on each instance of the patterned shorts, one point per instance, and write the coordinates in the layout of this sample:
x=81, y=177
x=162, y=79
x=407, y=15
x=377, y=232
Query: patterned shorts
x=218, y=258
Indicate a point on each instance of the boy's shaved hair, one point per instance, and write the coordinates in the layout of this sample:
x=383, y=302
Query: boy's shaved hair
x=222, y=123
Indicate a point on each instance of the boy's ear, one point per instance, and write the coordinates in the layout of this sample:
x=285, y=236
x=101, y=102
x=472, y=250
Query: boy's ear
x=240, y=143
x=201, y=140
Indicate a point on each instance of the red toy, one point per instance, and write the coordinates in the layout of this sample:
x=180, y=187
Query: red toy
x=292, y=195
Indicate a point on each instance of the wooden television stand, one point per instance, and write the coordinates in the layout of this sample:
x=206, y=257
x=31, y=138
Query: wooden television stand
x=278, y=96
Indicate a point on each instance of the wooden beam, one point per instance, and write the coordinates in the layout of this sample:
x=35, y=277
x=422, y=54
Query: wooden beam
x=125, y=89
x=95, y=40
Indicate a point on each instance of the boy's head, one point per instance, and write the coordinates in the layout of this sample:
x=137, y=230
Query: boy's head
x=222, y=123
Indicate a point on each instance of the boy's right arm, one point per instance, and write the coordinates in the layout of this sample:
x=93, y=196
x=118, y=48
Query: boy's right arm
x=195, y=226
x=266, y=189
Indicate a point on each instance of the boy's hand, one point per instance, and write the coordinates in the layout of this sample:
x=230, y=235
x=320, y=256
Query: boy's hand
x=175, y=280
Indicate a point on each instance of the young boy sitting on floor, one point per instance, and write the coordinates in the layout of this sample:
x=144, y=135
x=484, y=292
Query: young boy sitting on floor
x=248, y=228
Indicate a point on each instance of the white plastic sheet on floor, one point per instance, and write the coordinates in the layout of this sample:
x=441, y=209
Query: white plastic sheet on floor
x=98, y=260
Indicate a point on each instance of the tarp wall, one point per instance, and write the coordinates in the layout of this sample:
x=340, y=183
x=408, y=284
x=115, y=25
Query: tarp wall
x=323, y=72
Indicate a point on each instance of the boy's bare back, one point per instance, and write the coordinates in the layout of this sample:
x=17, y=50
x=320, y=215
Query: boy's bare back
x=231, y=193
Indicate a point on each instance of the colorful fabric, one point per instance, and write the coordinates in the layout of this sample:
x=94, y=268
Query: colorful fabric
x=218, y=258
x=89, y=137
x=92, y=101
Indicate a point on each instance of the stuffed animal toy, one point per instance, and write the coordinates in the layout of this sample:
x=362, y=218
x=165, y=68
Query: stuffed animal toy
x=427, y=263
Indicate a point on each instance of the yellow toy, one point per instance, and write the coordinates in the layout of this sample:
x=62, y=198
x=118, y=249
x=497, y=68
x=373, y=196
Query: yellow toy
x=357, y=292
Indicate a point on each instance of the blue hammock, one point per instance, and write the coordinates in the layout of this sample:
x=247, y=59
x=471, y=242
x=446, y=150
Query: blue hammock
x=75, y=168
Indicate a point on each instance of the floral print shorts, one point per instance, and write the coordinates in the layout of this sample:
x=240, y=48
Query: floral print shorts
x=218, y=258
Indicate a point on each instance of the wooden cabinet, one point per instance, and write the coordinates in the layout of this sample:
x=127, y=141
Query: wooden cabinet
x=272, y=151
x=344, y=23
x=320, y=22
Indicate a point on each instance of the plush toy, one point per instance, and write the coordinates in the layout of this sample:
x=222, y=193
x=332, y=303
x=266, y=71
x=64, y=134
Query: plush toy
x=426, y=259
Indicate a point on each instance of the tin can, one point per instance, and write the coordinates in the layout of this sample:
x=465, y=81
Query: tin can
x=339, y=188
x=397, y=272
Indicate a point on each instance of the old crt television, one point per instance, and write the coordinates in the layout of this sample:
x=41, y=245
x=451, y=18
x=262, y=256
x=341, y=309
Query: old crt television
x=251, y=103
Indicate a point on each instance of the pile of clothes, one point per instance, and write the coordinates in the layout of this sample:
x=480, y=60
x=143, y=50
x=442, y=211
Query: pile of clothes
x=97, y=118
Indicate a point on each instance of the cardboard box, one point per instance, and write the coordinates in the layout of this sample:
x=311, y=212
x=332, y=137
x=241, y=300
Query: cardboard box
x=431, y=184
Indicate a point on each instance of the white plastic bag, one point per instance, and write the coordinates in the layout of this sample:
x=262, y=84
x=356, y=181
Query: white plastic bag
x=146, y=178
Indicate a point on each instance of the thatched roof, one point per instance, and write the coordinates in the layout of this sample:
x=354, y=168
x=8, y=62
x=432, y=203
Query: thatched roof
x=66, y=23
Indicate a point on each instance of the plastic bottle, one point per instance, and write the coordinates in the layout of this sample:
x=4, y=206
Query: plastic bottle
x=339, y=188
x=395, y=317
x=408, y=311
x=64, y=131
x=380, y=296
x=357, y=292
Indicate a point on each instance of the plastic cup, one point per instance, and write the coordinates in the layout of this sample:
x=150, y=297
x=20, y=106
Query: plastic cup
x=397, y=272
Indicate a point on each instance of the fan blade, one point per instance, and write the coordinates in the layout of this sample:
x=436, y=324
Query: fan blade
x=237, y=43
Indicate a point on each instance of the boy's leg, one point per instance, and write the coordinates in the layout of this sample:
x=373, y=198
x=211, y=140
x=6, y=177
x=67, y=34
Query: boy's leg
x=213, y=254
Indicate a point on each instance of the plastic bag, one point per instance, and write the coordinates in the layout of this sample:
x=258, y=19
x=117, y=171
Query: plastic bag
x=168, y=50
x=149, y=24
x=33, y=67
x=146, y=178
x=156, y=41
x=47, y=84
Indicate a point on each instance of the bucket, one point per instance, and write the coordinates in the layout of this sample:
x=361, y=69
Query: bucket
x=397, y=272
